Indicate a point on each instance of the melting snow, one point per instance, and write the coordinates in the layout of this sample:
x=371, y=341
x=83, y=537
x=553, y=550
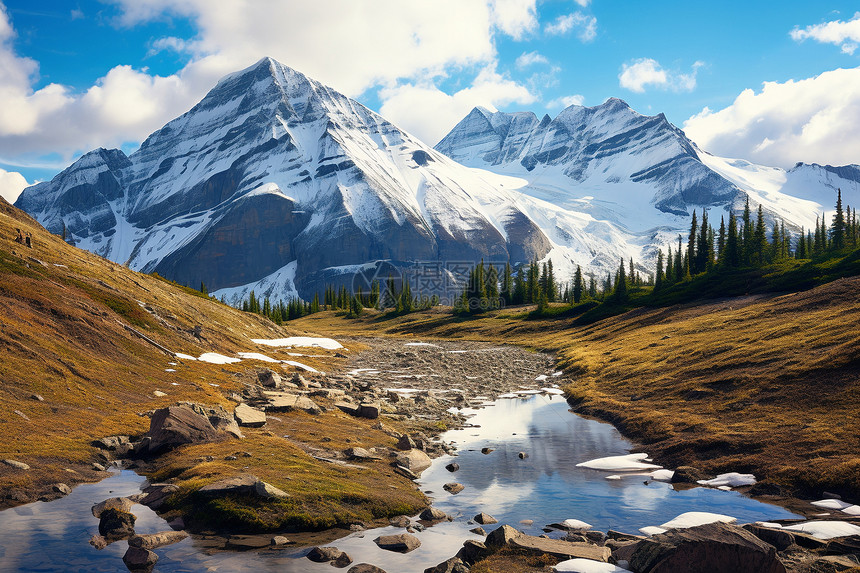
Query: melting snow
x=662, y=475
x=586, y=566
x=256, y=356
x=695, y=518
x=304, y=341
x=732, y=479
x=183, y=356
x=831, y=504
x=300, y=365
x=421, y=344
x=825, y=529
x=652, y=530
x=576, y=524
x=630, y=462
x=553, y=391
x=215, y=358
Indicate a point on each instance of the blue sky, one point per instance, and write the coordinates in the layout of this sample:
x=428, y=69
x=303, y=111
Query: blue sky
x=773, y=82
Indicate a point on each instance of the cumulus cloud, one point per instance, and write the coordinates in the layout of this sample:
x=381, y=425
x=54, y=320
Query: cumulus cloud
x=11, y=184
x=351, y=46
x=426, y=110
x=636, y=76
x=566, y=101
x=584, y=25
x=528, y=59
x=810, y=120
x=845, y=34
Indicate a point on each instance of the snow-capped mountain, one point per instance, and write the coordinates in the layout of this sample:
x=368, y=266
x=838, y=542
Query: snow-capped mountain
x=638, y=174
x=277, y=183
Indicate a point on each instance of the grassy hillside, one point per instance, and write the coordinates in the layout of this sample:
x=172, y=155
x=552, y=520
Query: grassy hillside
x=72, y=371
x=762, y=383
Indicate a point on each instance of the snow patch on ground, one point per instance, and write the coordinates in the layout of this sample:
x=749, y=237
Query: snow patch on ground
x=586, y=566
x=732, y=479
x=302, y=341
x=256, y=356
x=629, y=462
x=304, y=367
x=696, y=518
x=825, y=529
x=215, y=358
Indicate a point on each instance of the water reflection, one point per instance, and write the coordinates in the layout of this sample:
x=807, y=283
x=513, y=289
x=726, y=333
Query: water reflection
x=545, y=487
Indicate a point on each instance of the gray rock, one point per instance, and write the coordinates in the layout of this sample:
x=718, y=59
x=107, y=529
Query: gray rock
x=175, y=426
x=365, y=568
x=156, y=494
x=414, y=460
x=61, y=488
x=433, y=514
x=501, y=536
x=560, y=547
x=452, y=467
x=401, y=543
x=284, y=402
x=359, y=454
x=405, y=443
x=478, y=531
x=472, y=552
x=452, y=565
x=843, y=546
x=369, y=411
x=98, y=542
x=137, y=559
x=834, y=564
x=115, y=524
x=453, y=487
x=268, y=491
x=485, y=519
x=118, y=503
x=270, y=379
x=279, y=540
x=400, y=521
x=725, y=548
x=348, y=408
x=324, y=554
x=245, y=483
x=342, y=560
x=486, y=451
x=98, y=467
x=779, y=538
x=16, y=464
x=250, y=417
x=522, y=455
x=154, y=540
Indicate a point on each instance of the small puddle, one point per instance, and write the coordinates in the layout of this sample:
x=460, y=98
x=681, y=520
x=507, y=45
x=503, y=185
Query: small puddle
x=545, y=487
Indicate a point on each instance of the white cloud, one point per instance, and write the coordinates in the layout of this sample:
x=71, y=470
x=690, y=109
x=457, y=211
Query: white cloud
x=425, y=110
x=527, y=59
x=351, y=46
x=845, y=34
x=810, y=120
x=566, y=101
x=585, y=26
x=583, y=3
x=644, y=72
x=11, y=184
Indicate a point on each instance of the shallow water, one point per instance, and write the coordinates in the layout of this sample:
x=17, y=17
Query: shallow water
x=545, y=487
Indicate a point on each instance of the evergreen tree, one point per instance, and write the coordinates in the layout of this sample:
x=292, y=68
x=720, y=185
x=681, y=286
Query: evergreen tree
x=679, y=263
x=507, y=293
x=703, y=249
x=631, y=274
x=532, y=286
x=592, y=288
x=721, y=242
x=691, y=245
x=607, y=285
x=733, y=247
x=800, y=252
x=658, y=277
x=746, y=238
x=493, y=287
x=837, y=231
x=670, y=268
x=818, y=244
x=578, y=285
x=520, y=287
x=374, y=294
x=759, y=246
x=551, y=288
x=406, y=302
x=267, y=306
x=315, y=303
x=620, y=293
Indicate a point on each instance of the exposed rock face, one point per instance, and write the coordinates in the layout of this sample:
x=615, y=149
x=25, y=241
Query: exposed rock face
x=249, y=417
x=452, y=565
x=156, y=494
x=472, y=552
x=561, y=548
x=401, y=543
x=724, y=548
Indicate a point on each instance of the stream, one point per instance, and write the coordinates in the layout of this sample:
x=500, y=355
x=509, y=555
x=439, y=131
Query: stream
x=545, y=487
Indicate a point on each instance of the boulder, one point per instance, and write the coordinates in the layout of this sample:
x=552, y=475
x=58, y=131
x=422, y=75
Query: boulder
x=154, y=540
x=560, y=548
x=324, y=554
x=220, y=419
x=118, y=444
x=405, y=443
x=452, y=565
x=834, y=563
x=16, y=464
x=472, y=552
x=122, y=504
x=478, y=531
x=175, y=426
x=348, y=408
x=61, y=489
x=501, y=536
x=116, y=524
x=284, y=402
x=359, y=454
x=401, y=543
x=279, y=540
x=453, y=487
x=843, y=546
x=268, y=491
x=365, y=568
x=779, y=538
x=137, y=559
x=725, y=548
x=414, y=460
x=452, y=467
x=687, y=474
x=400, y=521
x=369, y=411
x=250, y=417
x=342, y=560
x=242, y=484
x=433, y=514
x=485, y=519
x=270, y=379
x=157, y=494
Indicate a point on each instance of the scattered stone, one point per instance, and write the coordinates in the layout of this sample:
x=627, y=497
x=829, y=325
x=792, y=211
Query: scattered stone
x=61, y=488
x=478, y=531
x=268, y=491
x=486, y=451
x=283, y=402
x=722, y=546
x=485, y=519
x=453, y=488
x=159, y=394
x=400, y=521
x=249, y=417
x=116, y=524
x=122, y=504
x=98, y=467
x=433, y=514
x=522, y=455
x=501, y=536
x=342, y=560
x=401, y=543
x=472, y=552
x=414, y=460
x=154, y=540
x=98, y=542
x=452, y=565
x=137, y=559
x=365, y=568
x=687, y=474
x=348, y=408
x=527, y=522
x=843, y=546
x=119, y=445
x=16, y=464
x=157, y=494
x=405, y=472
x=834, y=563
x=279, y=540
x=22, y=414
x=37, y=398
x=359, y=454
x=452, y=467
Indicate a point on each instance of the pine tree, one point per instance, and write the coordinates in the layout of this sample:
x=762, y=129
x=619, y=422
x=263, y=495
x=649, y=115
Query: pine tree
x=679, y=263
x=607, y=285
x=733, y=247
x=493, y=287
x=620, y=293
x=746, y=238
x=520, y=287
x=507, y=293
x=817, y=245
x=691, y=245
x=759, y=238
x=837, y=232
x=670, y=268
x=800, y=252
x=315, y=303
x=658, y=277
x=775, y=244
x=550, y=286
x=721, y=243
x=578, y=285
x=203, y=288
x=592, y=287
x=704, y=246
x=532, y=286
